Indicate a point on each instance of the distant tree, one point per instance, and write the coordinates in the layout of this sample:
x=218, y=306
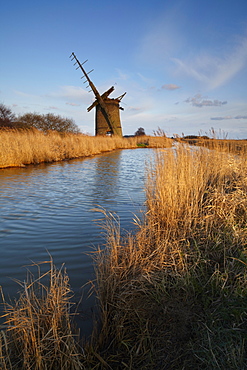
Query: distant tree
x=30, y=120
x=49, y=122
x=7, y=117
x=191, y=137
x=140, y=132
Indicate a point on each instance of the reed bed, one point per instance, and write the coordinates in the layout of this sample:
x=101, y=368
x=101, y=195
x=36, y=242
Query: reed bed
x=171, y=296
x=229, y=146
x=23, y=147
x=238, y=147
x=174, y=295
x=39, y=332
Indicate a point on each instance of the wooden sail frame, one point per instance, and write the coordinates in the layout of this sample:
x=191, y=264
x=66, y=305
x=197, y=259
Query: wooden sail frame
x=107, y=110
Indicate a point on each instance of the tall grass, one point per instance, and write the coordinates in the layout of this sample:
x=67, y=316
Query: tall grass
x=174, y=295
x=171, y=296
x=39, y=331
x=229, y=146
x=22, y=147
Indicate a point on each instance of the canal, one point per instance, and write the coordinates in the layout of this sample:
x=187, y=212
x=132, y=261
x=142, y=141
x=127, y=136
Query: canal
x=50, y=208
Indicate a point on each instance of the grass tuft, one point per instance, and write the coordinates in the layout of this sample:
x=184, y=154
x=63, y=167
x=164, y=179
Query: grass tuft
x=39, y=334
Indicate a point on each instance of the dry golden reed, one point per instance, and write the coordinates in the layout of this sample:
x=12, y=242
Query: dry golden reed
x=39, y=332
x=228, y=146
x=173, y=295
x=23, y=147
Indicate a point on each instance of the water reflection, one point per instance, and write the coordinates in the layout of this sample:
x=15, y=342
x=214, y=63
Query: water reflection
x=106, y=177
x=49, y=207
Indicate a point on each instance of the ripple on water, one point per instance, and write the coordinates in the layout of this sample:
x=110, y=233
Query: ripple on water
x=49, y=208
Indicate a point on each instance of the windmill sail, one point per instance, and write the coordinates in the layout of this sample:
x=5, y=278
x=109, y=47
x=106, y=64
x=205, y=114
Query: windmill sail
x=107, y=119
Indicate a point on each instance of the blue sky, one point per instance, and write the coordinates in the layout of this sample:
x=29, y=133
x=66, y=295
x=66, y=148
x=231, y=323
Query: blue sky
x=182, y=63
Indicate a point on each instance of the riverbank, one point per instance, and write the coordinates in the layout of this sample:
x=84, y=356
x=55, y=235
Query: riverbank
x=19, y=148
x=171, y=296
x=238, y=147
x=174, y=295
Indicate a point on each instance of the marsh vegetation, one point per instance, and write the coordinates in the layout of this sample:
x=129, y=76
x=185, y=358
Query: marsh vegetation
x=23, y=147
x=173, y=295
x=170, y=296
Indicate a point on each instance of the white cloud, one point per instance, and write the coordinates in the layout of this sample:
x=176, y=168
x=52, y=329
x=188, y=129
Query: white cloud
x=73, y=93
x=170, y=87
x=122, y=75
x=199, y=101
x=52, y=107
x=145, y=79
x=25, y=95
x=213, y=70
x=227, y=117
x=240, y=117
x=135, y=109
x=221, y=118
x=73, y=104
x=169, y=44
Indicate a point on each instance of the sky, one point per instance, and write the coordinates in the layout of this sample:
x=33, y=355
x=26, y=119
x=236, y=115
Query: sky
x=182, y=63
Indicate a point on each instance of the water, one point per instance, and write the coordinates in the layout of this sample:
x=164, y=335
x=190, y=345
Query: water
x=49, y=208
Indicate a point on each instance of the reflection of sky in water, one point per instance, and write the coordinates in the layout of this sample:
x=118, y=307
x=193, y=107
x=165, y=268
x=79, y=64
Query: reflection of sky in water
x=106, y=176
x=49, y=207
x=119, y=179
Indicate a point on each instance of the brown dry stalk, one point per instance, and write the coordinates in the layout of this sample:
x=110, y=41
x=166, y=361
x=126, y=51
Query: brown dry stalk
x=39, y=333
x=23, y=147
x=159, y=288
x=171, y=296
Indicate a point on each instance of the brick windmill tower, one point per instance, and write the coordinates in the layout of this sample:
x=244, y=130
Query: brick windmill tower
x=107, y=117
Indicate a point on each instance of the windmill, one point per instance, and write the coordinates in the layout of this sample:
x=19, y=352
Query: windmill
x=107, y=117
